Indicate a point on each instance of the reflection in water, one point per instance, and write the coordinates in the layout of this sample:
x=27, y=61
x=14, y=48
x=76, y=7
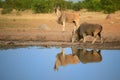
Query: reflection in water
x=87, y=56
x=78, y=55
x=36, y=63
x=62, y=59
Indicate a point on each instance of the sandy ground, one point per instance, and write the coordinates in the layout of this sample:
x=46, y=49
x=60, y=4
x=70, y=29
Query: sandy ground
x=26, y=28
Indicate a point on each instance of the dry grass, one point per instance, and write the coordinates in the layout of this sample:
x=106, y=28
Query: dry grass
x=26, y=26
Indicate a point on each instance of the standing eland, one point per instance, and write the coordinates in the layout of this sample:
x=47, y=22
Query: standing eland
x=67, y=17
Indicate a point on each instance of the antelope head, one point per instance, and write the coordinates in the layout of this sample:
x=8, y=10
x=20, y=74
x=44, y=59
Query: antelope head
x=58, y=11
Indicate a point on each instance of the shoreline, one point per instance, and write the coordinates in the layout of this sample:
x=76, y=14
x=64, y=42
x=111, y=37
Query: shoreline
x=43, y=30
x=17, y=44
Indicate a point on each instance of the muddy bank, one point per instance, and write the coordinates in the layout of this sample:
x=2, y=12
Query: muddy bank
x=15, y=37
x=26, y=30
x=19, y=44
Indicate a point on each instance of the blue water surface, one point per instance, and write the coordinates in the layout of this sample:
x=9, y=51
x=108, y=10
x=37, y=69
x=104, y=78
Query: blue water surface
x=37, y=63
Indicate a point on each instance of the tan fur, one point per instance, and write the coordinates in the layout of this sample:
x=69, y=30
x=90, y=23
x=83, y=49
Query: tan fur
x=62, y=59
x=67, y=17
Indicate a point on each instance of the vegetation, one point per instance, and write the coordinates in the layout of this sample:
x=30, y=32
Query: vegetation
x=47, y=6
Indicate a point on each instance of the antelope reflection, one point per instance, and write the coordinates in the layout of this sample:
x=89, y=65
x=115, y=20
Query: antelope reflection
x=87, y=56
x=63, y=59
x=83, y=55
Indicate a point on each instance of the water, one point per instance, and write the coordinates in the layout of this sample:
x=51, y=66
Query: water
x=36, y=63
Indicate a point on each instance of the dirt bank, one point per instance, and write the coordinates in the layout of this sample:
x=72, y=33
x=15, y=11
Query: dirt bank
x=43, y=28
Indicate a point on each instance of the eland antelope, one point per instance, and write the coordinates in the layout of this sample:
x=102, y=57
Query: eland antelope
x=67, y=17
x=86, y=29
